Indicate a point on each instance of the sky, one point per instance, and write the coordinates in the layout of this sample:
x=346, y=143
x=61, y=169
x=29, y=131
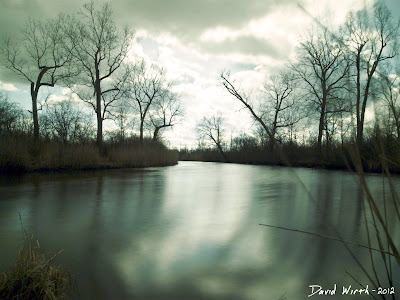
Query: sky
x=195, y=41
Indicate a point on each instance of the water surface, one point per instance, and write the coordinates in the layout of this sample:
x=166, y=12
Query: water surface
x=191, y=231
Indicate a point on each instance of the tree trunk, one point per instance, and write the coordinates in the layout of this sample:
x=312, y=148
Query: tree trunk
x=222, y=152
x=99, y=138
x=360, y=127
x=321, y=124
x=396, y=121
x=141, y=132
x=272, y=140
x=358, y=99
x=35, y=117
x=155, y=134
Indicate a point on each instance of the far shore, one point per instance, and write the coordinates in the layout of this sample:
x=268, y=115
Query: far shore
x=11, y=170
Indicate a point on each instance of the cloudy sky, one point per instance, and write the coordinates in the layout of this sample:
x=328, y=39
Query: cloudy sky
x=196, y=40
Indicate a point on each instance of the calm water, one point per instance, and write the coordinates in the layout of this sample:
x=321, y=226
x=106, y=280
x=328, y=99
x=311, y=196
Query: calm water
x=191, y=231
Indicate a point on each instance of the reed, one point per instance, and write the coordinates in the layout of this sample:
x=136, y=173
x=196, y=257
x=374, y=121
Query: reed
x=21, y=154
x=34, y=275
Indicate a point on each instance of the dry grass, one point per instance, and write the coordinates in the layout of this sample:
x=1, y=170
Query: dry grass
x=129, y=156
x=19, y=153
x=34, y=276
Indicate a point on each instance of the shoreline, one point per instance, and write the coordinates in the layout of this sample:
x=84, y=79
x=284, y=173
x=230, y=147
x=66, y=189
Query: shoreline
x=17, y=171
x=308, y=165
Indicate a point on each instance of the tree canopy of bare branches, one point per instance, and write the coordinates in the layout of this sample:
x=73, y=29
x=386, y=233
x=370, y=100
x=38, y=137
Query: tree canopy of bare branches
x=146, y=85
x=99, y=49
x=371, y=38
x=64, y=121
x=323, y=67
x=230, y=87
x=39, y=57
x=211, y=129
x=166, y=113
x=281, y=109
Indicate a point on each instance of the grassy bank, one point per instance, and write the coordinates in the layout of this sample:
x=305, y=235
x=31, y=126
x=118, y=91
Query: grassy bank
x=21, y=154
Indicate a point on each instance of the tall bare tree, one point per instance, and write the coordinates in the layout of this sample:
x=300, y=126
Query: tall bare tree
x=371, y=37
x=211, y=128
x=323, y=67
x=390, y=94
x=146, y=85
x=229, y=85
x=281, y=109
x=99, y=49
x=166, y=113
x=39, y=57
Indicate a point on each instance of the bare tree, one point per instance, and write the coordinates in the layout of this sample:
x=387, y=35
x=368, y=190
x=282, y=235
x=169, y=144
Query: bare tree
x=166, y=113
x=67, y=123
x=39, y=57
x=244, y=99
x=146, y=86
x=371, y=37
x=281, y=109
x=323, y=67
x=211, y=129
x=99, y=49
x=391, y=98
x=123, y=121
x=10, y=115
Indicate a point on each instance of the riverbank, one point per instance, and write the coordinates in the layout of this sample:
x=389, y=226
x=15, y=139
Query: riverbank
x=337, y=158
x=20, y=154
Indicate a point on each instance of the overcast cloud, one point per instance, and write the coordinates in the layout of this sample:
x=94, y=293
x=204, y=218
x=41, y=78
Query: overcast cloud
x=195, y=41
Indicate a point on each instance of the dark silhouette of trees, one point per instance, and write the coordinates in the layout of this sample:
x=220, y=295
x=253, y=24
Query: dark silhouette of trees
x=99, y=49
x=39, y=57
x=281, y=109
x=123, y=122
x=244, y=99
x=370, y=37
x=10, y=115
x=166, y=113
x=323, y=67
x=389, y=93
x=278, y=110
x=146, y=85
x=211, y=129
x=64, y=121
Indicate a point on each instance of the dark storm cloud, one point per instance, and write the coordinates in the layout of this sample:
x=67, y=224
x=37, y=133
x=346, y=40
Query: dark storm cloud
x=187, y=19
x=183, y=19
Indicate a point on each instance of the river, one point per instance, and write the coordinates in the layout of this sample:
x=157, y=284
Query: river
x=191, y=231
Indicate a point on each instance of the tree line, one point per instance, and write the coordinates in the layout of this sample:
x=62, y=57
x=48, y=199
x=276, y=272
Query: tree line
x=88, y=54
x=336, y=75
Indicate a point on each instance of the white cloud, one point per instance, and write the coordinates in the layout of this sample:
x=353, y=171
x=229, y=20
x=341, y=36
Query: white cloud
x=9, y=87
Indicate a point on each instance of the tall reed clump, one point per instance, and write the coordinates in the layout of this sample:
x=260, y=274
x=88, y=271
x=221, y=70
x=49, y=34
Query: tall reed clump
x=34, y=276
x=382, y=236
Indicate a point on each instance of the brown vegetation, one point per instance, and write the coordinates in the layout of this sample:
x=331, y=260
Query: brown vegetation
x=18, y=153
x=34, y=276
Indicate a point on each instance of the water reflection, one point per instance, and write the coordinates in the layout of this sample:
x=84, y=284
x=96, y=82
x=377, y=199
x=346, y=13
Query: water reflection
x=190, y=231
